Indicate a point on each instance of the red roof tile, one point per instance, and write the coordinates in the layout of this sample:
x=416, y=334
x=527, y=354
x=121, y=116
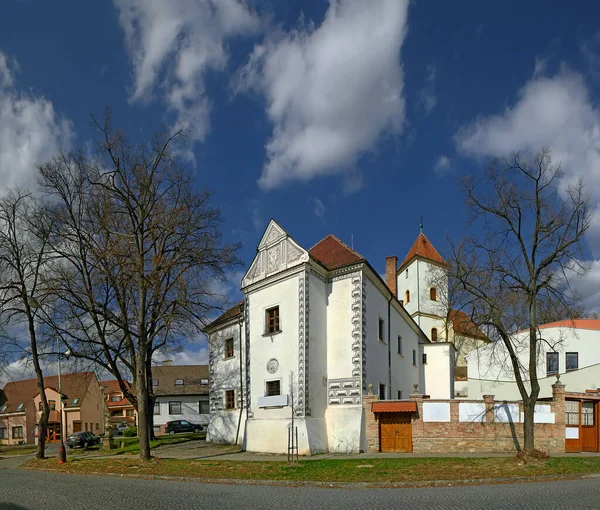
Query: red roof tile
x=112, y=386
x=333, y=253
x=591, y=324
x=423, y=248
x=394, y=407
x=463, y=325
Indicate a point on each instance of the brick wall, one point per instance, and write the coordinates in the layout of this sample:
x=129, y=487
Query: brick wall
x=487, y=436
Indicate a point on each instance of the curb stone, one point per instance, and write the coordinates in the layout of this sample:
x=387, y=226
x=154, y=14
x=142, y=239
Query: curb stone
x=335, y=485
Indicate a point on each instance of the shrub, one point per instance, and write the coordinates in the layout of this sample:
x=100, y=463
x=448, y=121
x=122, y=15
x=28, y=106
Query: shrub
x=130, y=432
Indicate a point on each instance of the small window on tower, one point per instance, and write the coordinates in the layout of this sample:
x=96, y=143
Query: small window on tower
x=407, y=297
x=434, y=334
x=433, y=294
x=272, y=320
x=406, y=274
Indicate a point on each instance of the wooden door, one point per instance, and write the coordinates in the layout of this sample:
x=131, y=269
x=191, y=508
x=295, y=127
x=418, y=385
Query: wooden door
x=589, y=427
x=51, y=433
x=395, y=432
x=76, y=426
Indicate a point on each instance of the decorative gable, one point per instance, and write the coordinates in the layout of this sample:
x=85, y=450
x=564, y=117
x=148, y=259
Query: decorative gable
x=277, y=251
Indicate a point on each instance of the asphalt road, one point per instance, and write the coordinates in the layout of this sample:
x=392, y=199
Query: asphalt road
x=48, y=491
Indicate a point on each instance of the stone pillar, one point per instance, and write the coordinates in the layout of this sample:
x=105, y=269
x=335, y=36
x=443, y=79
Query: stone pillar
x=558, y=399
x=371, y=422
x=489, y=408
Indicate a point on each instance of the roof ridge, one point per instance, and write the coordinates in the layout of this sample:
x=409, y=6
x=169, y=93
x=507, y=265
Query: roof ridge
x=334, y=237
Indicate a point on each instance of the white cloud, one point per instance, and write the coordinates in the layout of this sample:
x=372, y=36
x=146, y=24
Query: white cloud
x=319, y=207
x=332, y=91
x=442, y=166
x=427, y=97
x=552, y=111
x=31, y=131
x=185, y=357
x=172, y=45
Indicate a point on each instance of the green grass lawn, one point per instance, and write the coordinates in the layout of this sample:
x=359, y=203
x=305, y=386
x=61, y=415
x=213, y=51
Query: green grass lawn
x=131, y=445
x=354, y=470
x=17, y=450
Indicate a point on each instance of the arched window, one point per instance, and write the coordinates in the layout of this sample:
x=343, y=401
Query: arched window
x=434, y=334
x=407, y=297
x=433, y=294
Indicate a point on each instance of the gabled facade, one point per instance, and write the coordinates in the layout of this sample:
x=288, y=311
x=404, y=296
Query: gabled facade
x=118, y=408
x=317, y=330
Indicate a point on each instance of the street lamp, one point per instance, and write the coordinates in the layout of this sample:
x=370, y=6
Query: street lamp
x=62, y=452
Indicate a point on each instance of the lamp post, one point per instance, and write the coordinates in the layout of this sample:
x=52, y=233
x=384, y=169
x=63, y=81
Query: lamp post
x=62, y=452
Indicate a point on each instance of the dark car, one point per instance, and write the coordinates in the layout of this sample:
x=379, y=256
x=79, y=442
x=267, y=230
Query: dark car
x=173, y=427
x=82, y=440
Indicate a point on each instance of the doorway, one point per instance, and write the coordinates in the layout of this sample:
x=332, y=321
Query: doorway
x=395, y=432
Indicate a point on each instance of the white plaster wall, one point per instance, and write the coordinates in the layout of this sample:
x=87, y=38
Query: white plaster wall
x=225, y=373
x=345, y=429
x=339, y=329
x=439, y=373
x=471, y=412
x=281, y=346
x=489, y=376
x=271, y=435
x=189, y=409
x=317, y=347
x=436, y=412
x=404, y=373
x=223, y=427
x=408, y=283
x=426, y=323
x=377, y=350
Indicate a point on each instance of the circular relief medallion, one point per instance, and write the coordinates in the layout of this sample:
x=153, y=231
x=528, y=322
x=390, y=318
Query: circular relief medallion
x=272, y=365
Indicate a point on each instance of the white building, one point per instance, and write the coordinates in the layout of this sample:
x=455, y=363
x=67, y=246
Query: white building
x=570, y=349
x=316, y=330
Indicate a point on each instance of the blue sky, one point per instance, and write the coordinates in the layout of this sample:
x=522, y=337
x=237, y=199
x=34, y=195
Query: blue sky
x=344, y=117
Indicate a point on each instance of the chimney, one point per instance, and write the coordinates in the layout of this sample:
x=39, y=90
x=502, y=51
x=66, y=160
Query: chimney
x=391, y=267
x=167, y=363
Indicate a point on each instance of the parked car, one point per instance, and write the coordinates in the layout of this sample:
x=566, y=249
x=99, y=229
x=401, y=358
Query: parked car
x=82, y=440
x=122, y=427
x=172, y=427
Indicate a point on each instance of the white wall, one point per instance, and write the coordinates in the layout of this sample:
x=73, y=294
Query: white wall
x=377, y=350
x=317, y=347
x=189, y=409
x=439, y=373
x=490, y=372
x=408, y=283
x=339, y=329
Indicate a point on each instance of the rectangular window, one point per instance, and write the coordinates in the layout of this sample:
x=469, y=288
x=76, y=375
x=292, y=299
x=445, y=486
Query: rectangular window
x=52, y=405
x=3, y=433
x=20, y=407
x=381, y=329
x=175, y=407
x=156, y=407
x=272, y=319
x=414, y=358
x=230, y=399
x=97, y=426
x=273, y=388
x=381, y=391
x=571, y=412
x=3, y=408
x=400, y=345
x=587, y=413
x=229, y=348
x=178, y=382
x=424, y=358
x=154, y=382
x=203, y=407
x=204, y=381
x=551, y=363
x=116, y=398
x=130, y=413
x=399, y=395
x=571, y=361
x=17, y=432
x=75, y=401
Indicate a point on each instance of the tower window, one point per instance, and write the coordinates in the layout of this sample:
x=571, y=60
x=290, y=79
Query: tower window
x=407, y=297
x=433, y=294
x=434, y=336
x=406, y=274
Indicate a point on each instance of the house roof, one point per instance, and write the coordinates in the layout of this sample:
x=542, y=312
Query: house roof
x=112, y=386
x=233, y=312
x=192, y=375
x=592, y=324
x=463, y=325
x=394, y=407
x=23, y=392
x=333, y=253
x=422, y=248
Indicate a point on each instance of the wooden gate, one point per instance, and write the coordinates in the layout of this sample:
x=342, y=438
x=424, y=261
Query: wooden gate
x=395, y=432
x=589, y=427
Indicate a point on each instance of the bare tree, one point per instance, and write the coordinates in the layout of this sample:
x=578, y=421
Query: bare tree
x=139, y=248
x=516, y=274
x=24, y=258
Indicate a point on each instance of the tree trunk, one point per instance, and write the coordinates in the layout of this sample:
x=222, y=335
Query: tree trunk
x=142, y=401
x=528, y=426
x=43, y=422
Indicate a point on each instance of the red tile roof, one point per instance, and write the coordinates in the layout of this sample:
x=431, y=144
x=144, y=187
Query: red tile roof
x=394, y=407
x=112, y=386
x=593, y=324
x=463, y=325
x=333, y=253
x=423, y=248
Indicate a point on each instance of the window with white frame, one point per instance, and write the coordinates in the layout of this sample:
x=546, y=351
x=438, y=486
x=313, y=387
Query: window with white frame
x=175, y=407
x=273, y=388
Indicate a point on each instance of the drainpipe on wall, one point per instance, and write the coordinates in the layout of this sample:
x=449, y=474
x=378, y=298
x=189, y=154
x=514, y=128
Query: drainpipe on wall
x=237, y=435
x=389, y=335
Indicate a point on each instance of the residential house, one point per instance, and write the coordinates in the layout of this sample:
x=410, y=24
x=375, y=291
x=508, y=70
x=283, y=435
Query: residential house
x=181, y=393
x=316, y=331
x=119, y=408
x=20, y=407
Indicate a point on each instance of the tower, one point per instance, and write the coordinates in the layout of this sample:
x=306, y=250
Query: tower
x=422, y=284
